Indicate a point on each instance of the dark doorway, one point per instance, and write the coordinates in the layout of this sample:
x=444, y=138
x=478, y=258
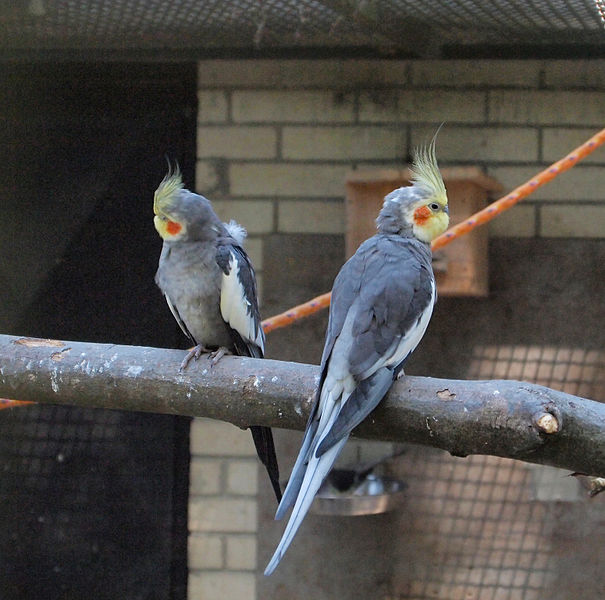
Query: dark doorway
x=94, y=503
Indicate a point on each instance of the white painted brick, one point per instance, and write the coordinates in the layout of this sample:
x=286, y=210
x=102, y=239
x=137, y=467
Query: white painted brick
x=241, y=552
x=301, y=73
x=422, y=105
x=242, y=477
x=579, y=183
x=547, y=107
x=556, y=143
x=216, y=438
x=519, y=221
x=210, y=514
x=221, y=585
x=475, y=73
x=205, y=551
x=205, y=476
x=287, y=179
x=255, y=215
x=349, y=143
x=320, y=106
x=481, y=144
x=571, y=220
x=575, y=73
x=206, y=176
x=212, y=106
x=311, y=216
x=236, y=142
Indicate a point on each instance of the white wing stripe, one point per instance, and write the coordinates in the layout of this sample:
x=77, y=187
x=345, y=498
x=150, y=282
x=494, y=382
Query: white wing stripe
x=234, y=305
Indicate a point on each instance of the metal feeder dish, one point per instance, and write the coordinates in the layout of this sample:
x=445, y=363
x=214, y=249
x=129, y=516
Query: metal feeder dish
x=371, y=495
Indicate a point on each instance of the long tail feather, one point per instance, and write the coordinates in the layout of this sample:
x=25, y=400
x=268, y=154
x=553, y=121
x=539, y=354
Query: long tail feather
x=265, y=448
x=317, y=469
x=298, y=472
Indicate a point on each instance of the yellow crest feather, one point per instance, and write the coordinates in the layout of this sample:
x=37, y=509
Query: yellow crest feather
x=166, y=193
x=426, y=174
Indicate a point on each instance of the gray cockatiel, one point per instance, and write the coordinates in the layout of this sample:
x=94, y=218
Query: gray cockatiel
x=382, y=301
x=210, y=287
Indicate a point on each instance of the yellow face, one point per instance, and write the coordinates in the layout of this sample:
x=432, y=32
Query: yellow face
x=169, y=230
x=429, y=219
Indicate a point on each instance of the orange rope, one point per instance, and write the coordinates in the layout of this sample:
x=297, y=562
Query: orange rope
x=6, y=403
x=479, y=218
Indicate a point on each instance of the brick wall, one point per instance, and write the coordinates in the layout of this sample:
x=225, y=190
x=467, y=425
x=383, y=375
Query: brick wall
x=276, y=139
x=222, y=512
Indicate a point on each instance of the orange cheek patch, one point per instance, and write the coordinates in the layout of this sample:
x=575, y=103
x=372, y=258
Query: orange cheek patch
x=173, y=228
x=421, y=214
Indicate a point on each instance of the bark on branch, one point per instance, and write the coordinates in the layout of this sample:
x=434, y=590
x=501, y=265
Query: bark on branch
x=503, y=418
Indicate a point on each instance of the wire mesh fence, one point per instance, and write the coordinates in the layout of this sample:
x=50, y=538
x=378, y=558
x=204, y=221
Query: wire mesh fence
x=486, y=528
x=387, y=24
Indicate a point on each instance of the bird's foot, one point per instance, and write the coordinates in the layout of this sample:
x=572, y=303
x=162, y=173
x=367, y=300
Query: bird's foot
x=193, y=353
x=217, y=355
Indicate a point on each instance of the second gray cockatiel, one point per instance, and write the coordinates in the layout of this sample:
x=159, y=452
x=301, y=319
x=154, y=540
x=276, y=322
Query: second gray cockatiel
x=210, y=287
x=382, y=301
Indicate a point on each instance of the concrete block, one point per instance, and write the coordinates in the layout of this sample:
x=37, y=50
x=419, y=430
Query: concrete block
x=310, y=216
x=230, y=515
x=373, y=73
x=241, y=552
x=546, y=107
x=519, y=221
x=205, y=476
x=254, y=250
x=207, y=178
x=221, y=585
x=505, y=144
x=476, y=73
x=277, y=106
x=575, y=74
x=236, y=142
x=579, y=183
x=343, y=143
x=422, y=106
x=242, y=477
x=287, y=179
x=557, y=142
x=267, y=73
x=259, y=290
x=216, y=438
x=205, y=551
x=289, y=74
x=255, y=215
x=572, y=220
x=213, y=106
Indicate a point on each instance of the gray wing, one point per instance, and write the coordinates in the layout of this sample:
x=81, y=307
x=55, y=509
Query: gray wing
x=238, y=301
x=397, y=287
x=391, y=314
x=344, y=290
x=239, y=309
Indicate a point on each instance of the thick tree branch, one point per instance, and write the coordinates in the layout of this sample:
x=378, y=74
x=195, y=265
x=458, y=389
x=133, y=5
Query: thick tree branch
x=503, y=418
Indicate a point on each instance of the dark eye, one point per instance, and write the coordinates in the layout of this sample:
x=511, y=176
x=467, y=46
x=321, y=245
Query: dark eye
x=434, y=206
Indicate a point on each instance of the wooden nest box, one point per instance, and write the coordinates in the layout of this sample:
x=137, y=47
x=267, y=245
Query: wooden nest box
x=461, y=267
